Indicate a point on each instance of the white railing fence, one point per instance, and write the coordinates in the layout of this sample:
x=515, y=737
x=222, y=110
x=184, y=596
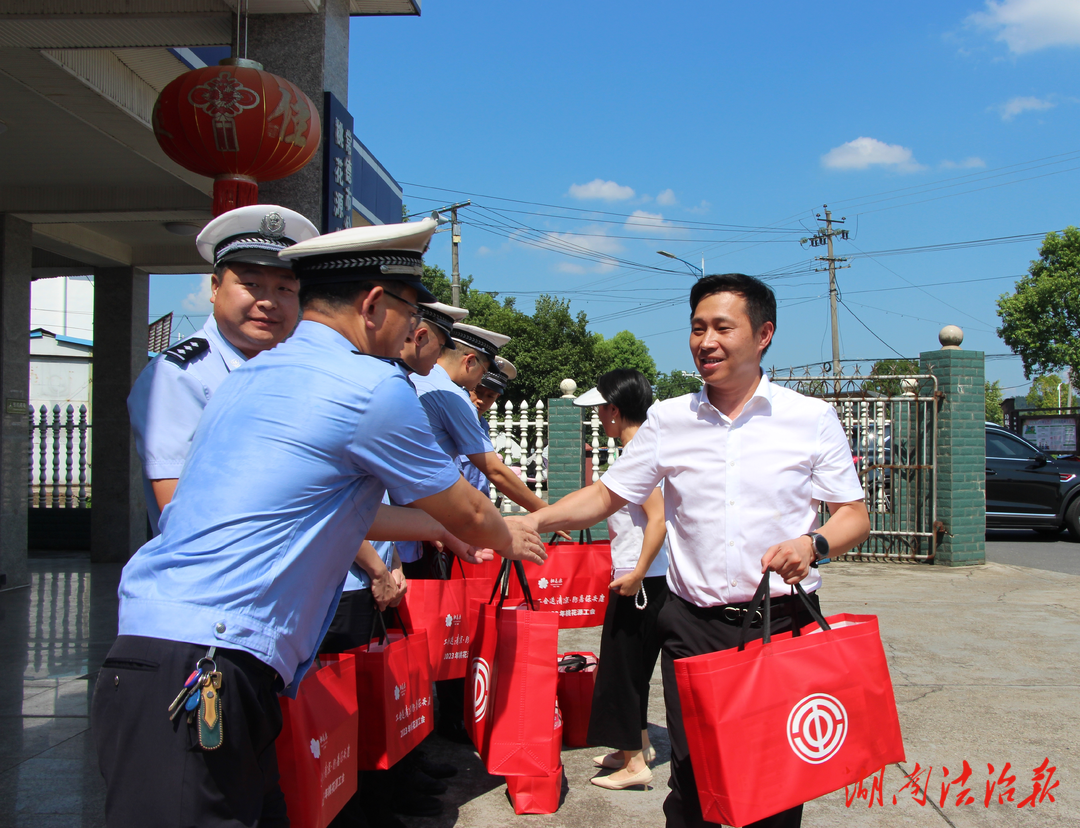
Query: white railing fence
x=519, y=433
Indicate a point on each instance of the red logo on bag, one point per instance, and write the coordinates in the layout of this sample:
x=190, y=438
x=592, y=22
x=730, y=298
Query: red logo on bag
x=817, y=727
x=481, y=675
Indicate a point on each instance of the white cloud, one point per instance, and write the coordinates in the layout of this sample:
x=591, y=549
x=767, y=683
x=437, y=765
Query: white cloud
x=966, y=164
x=1028, y=25
x=1014, y=106
x=483, y=250
x=570, y=267
x=198, y=301
x=640, y=221
x=704, y=207
x=868, y=152
x=602, y=190
x=592, y=239
x=667, y=198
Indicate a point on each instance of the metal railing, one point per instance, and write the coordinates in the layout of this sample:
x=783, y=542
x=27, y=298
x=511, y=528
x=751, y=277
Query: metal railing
x=891, y=424
x=58, y=471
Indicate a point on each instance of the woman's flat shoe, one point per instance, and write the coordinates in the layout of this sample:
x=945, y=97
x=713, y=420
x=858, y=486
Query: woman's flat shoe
x=611, y=761
x=644, y=778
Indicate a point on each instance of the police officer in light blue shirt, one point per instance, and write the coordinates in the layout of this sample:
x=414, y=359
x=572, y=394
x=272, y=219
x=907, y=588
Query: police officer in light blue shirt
x=254, y=294
x=444, y=394
x=492, y=386
x=283, y=482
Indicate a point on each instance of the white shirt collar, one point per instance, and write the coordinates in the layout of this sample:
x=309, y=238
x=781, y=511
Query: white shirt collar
x=762, y=396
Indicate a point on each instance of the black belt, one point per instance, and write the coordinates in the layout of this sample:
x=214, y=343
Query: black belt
x=735, y=613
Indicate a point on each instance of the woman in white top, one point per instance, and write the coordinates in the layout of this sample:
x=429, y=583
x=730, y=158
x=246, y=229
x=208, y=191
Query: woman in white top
x=629, y=644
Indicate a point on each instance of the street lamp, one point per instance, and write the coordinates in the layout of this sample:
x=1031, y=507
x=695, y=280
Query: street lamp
x=698, y=271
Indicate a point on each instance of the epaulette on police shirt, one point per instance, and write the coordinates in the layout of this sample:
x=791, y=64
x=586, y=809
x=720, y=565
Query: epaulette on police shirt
x=187, y=350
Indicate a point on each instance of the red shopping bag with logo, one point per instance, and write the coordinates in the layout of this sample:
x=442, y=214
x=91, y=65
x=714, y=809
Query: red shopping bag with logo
x=577, y=679
x=441, y=609
x=512, y=675
x=573, y=582
x=316, y=749
x=540, y=794
x=788, y=718
x=393, y=686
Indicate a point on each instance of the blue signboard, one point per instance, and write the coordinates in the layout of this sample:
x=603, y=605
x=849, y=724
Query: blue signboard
x=357, y=189
x=337, y=166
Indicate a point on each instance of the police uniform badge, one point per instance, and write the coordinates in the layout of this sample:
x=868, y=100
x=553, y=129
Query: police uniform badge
x=187, y=350
x=272, y=226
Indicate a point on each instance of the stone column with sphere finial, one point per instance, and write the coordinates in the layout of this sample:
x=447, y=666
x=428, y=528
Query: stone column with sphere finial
x=566, y=458
x=961, y=449
x=566, y=449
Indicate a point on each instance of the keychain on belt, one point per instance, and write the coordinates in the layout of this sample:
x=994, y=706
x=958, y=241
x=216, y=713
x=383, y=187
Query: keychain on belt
x=201, y=698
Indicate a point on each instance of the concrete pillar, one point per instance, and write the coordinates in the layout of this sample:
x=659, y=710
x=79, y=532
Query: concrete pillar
x=961, y=450
x=312, y=51
x=118, y=505
x=566, y=450
x=15, y=255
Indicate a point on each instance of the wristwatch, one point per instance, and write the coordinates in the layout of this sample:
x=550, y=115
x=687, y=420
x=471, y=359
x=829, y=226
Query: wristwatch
x=820, y=545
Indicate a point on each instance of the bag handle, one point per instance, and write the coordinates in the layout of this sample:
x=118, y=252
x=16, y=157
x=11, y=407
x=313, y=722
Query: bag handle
x=762, y=603
x=573, y=663
x=380, y=621
x=441, y=566
x=502, y=583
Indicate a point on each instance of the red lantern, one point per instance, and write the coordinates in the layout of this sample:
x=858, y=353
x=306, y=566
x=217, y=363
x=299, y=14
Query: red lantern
x=236, y=124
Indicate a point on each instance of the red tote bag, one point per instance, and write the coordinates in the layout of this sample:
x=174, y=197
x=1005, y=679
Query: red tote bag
x=540, y=794
x=441, y=609
x=316, y=749
x=787, y=720
x=393, y=686
x=577, y=679
x=513, y=675
x=573, y=582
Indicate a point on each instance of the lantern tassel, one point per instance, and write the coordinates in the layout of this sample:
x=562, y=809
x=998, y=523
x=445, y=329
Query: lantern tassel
x=232, y=191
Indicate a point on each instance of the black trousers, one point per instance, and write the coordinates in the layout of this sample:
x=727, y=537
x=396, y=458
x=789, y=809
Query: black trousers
x=629, y=647
x=687, y=630
x=156, y=775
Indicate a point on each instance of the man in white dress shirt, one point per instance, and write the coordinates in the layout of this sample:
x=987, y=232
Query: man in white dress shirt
x=745, y=465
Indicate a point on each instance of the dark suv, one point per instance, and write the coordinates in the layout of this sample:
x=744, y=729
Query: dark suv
x=1028, y=489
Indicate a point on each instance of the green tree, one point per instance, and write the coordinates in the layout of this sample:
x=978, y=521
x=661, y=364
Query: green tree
x=546, y=348
x=675, y=384
x=1040, y=321
x=1043, y=394
x=624, y=350
x=885, y=369
x=994, y=398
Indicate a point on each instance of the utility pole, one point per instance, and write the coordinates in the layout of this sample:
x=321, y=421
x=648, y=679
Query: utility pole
x=455, y=240
x=826, y=237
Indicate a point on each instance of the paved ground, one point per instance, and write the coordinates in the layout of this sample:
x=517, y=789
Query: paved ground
x=1023, y=547
x=985, y=662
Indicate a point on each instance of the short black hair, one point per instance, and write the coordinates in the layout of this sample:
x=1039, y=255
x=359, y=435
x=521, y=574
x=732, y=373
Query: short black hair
x=760, y=299
x=627, y=390
x=338, y=295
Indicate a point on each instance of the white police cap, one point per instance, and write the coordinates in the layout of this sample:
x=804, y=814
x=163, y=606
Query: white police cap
x=499, y=376
x=443, y=317
x=487, y=342
x=253, y=234
x=357, y=254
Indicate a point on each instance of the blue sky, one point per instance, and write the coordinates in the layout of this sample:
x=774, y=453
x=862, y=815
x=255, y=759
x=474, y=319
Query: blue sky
x=590, y=135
